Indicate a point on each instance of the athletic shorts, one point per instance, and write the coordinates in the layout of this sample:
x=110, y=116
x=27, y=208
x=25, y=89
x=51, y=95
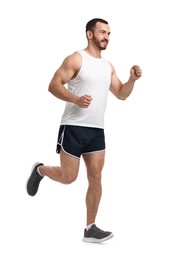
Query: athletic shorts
x=78, y=140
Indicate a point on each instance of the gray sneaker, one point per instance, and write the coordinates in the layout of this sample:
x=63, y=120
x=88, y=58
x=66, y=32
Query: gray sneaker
x=34, y=180
x=96, y=235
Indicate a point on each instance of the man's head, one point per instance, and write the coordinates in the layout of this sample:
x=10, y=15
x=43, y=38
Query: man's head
x=90, y=26
x=97, y=32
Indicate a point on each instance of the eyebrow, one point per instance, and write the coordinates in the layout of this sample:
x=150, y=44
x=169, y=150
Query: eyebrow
x=103, y=31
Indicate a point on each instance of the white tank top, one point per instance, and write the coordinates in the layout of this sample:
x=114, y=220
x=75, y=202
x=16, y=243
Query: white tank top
x=93, y=79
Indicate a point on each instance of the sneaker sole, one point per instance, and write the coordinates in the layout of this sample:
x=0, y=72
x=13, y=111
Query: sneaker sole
x=95, y=240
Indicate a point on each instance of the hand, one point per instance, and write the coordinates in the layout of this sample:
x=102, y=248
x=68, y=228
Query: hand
x=135, y=72
x=84, y=101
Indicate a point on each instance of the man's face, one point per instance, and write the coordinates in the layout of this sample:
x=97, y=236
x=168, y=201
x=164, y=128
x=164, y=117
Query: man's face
x=101, y=35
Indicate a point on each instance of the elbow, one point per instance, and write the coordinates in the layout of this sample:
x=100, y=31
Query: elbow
x=50, y=88
x=121, y=98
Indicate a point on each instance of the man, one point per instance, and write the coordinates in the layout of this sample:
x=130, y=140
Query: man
x=89, y=77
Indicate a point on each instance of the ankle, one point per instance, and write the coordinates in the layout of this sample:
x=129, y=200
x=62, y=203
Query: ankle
x=89, y=226
x=40, y=171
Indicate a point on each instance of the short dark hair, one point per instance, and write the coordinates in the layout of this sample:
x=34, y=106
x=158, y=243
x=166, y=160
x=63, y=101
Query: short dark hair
x=92, y=23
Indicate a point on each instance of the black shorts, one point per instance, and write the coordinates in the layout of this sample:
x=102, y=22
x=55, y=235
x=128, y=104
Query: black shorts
x=78, y=140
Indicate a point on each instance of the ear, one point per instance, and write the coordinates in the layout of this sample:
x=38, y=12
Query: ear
x=89, y=34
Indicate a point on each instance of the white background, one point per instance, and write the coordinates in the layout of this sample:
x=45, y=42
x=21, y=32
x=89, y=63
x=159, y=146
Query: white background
x=36, y=35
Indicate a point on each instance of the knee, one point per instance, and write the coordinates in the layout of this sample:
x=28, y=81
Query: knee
x=69, y=178
x=95, y=178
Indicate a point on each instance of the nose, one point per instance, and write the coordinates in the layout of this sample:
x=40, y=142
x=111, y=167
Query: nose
x=106, y=36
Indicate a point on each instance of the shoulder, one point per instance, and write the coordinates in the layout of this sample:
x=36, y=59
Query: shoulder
x=73, y=60
x=112, y=68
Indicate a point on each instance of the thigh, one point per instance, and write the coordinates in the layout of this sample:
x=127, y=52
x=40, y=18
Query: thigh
x=94, y=162
x=69, y=164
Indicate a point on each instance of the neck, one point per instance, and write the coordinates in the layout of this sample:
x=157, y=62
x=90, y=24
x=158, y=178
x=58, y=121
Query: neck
x=93, y=52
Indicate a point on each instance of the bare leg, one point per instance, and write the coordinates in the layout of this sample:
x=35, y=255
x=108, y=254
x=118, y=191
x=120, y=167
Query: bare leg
x=94, y=164
x=66, y=173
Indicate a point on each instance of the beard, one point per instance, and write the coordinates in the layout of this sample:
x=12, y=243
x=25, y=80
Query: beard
x=102, y=44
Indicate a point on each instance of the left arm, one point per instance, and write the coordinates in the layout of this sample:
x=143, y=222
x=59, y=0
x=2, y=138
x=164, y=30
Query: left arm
x=120, y=90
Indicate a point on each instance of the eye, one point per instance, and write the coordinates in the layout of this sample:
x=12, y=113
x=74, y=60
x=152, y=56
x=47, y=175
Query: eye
x=104, y=32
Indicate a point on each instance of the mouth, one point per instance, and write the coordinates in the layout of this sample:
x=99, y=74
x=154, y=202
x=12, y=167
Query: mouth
x=106, y=42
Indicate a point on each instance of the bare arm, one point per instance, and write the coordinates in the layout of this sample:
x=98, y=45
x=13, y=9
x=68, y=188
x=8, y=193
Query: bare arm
x=120, y=90
x=67, y=71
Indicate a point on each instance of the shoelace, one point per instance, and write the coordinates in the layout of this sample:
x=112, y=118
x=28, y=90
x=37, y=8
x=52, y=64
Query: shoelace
x=98, y=229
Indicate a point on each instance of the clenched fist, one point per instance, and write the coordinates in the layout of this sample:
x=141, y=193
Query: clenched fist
x=84, y=101
x=135, y=72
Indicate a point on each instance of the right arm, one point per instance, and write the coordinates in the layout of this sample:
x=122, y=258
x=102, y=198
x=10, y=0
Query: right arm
x=67, y=71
